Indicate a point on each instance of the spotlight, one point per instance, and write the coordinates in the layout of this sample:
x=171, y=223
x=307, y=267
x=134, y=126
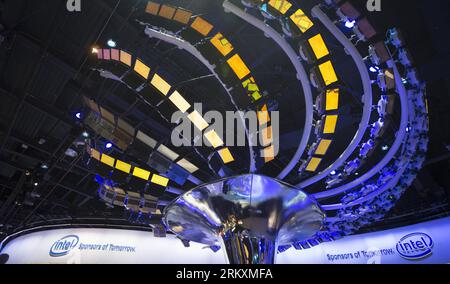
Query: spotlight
x=108, y=145
x=85, y=134
x=374, y=69
x=350, y=24
x=333, y=173
x=385, y=148
x=44, y=166
x=36, y=184
x=78, y=115
x=94, y=50
x=111, y=43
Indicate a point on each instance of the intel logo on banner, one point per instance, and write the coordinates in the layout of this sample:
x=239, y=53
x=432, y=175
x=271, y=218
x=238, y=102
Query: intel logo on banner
x=415, y=246
x=63, y=246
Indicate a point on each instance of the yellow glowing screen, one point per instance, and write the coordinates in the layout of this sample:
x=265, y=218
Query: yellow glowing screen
x=269, y=154
x=332, y=98
x=313, y=164
x=328, y=74
x=222, y=44
x=122, y=166
x=301, y=20
x=281, y=6
x=95, y=154
x=267, y=136
x=318, y=46
x=238, y=66
x=160, y=84
x=141, y=69
x=330, y=124
x=214, y=138
x=226, y=155
x=322, y=149
x=177, y=99
x=202, y=26
x=152, y=8
x=167, y=152
x=141, y=173
x=107, y=160
x=188, y=166
x=182, y=16
x=125, y=58
x=263, y=116
x=162, y=181
x=167, y=12
x=198, y=120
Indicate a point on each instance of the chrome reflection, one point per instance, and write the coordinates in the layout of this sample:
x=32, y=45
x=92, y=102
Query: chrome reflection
x=249, y=216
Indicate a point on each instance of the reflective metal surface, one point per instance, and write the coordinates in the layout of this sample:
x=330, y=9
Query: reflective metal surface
x=248, y=215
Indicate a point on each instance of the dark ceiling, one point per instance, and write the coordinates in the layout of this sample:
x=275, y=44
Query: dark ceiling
x=45, y=72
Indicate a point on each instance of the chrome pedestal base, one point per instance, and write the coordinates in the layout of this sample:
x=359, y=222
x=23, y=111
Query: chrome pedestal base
x=249, y=216
x=242, y=249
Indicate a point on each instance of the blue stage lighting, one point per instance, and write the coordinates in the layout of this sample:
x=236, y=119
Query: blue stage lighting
x=350, y=24
x=374, y=69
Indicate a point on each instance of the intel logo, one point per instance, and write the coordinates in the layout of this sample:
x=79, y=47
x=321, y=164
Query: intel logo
x=415, y=246
x=63, y=246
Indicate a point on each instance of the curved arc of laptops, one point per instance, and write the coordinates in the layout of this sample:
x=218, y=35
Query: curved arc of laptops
x=234, y=61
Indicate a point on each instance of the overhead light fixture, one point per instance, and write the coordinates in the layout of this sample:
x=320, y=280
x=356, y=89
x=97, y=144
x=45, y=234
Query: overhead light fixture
x=78, y=115
x=385, y=148
x=36, y=184
x=71, y=153
x=111, y=43
x=85, y=134
x=44, y=166
x=108, y=145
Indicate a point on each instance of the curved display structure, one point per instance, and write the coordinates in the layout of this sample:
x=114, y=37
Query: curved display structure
x=251, y=215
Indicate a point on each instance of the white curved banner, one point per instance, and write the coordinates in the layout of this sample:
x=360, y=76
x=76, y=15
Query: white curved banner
x=422, y=243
